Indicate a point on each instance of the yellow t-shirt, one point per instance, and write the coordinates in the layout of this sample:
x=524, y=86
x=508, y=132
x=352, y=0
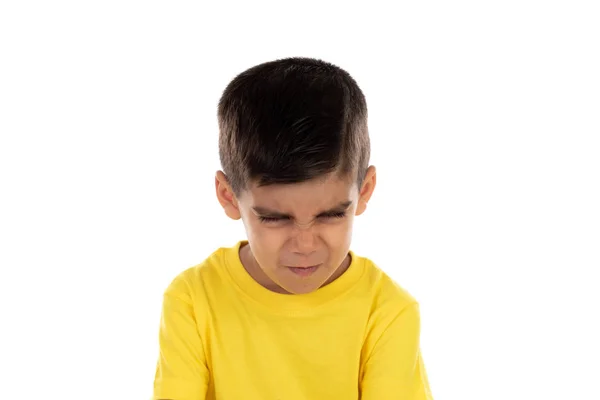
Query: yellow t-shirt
x=225, y=337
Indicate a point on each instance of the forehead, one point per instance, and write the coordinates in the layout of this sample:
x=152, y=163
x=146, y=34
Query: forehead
x=308, y=196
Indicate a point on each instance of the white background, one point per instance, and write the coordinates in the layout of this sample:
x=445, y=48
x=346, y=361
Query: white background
x=485, y=124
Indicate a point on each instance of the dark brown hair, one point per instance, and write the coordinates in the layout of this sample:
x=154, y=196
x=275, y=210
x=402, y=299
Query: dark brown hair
x=292, y=120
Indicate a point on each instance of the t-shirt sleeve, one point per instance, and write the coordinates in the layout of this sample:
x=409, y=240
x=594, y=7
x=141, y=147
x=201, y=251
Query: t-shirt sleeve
x=181, y=371
x=394, y=369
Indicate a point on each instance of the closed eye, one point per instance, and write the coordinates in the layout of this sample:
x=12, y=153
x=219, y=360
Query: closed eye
x=271, y=219
x=340, y=214
x=334, y=215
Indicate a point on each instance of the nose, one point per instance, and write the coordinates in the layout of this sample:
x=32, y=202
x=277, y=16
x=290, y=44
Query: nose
x=305, y=241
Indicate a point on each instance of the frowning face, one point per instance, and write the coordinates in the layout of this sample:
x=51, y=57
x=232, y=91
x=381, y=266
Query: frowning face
x=299, y=234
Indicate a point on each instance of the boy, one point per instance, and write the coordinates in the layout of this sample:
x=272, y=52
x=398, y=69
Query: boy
x=292, y=313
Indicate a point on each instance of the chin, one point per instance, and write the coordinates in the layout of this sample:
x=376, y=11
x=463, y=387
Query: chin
x=298, y=288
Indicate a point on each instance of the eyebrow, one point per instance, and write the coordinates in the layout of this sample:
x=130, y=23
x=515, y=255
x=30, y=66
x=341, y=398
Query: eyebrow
x=265, y=212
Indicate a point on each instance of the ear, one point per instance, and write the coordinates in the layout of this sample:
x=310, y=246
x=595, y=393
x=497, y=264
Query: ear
x=226, y=197
x=368, y=186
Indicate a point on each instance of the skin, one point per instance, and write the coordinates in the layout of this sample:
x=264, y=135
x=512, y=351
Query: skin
x=305, y=228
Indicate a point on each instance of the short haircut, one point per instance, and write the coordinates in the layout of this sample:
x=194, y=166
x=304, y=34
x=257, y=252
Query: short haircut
x=292, y=120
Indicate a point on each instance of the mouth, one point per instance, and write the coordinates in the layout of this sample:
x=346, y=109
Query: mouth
x=304, y=271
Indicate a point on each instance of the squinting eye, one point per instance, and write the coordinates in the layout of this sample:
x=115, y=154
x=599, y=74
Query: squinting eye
x=270, y=219
x=334, y=215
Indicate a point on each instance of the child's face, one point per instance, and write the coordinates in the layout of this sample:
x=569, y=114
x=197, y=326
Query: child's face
x=300, y=234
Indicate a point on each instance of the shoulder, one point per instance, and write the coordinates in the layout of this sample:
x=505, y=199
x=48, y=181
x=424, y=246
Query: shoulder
x=388, y=299
x=385, y=290
x=193, y=284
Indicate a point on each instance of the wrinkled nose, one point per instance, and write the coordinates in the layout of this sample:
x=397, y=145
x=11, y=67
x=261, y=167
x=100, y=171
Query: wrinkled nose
x=305, y=241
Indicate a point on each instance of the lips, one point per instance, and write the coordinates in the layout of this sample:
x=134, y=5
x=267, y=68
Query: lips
x=304, y=271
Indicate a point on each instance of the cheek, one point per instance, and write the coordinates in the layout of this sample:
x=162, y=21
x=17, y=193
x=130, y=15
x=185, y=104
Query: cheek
x=338, y=236
x=264, y=240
